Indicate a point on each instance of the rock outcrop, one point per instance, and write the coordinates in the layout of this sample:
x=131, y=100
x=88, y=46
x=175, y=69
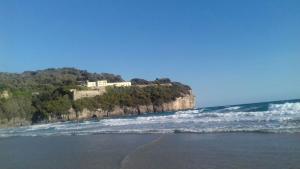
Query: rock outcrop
x=182, y=103
x=4, y=94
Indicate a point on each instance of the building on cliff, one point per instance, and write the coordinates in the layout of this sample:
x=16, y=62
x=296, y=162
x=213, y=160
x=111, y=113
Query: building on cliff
x=96, y=88
x=104, y=83
x=78, y=94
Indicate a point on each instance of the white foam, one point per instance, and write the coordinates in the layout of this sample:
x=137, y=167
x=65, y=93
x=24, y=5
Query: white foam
x=233, y=108
x=278, y=118
x=286, y=107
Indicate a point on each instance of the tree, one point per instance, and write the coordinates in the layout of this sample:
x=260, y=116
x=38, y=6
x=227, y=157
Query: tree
x=10, y=109
x=162, y=80
x=59, y=106
x=137, y=81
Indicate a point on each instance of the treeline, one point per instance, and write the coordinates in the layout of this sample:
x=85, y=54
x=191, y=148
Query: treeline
x=52, y=78
x=38, y=95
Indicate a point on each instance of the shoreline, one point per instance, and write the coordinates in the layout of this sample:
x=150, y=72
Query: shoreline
x=26, y=123
x=153, y=151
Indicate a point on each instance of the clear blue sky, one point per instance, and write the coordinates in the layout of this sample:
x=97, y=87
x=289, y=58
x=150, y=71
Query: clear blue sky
x=229, y=51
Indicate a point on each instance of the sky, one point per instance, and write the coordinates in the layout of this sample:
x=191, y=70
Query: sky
x=229, y=52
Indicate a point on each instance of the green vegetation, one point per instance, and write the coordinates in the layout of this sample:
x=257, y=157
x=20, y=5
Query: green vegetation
x=18, y=105
x=38, y=95
x=131, y=97
x=52, y=78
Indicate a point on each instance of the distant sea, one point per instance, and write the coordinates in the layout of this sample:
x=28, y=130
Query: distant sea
x=266, y=117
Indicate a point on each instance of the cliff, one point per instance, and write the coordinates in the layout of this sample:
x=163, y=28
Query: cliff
x=181, y=103
x=59, y=94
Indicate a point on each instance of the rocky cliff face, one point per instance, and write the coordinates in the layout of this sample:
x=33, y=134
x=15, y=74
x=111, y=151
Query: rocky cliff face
x=182, y=103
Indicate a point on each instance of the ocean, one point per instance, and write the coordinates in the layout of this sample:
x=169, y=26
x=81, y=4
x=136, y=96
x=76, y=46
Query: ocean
x=266, y=117
x=260, y=136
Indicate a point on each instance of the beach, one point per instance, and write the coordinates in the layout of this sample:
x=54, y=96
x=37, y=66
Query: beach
x=250, y=136
x=153, y=151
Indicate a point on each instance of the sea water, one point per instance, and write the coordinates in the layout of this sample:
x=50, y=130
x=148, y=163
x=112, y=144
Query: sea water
x=273, y=117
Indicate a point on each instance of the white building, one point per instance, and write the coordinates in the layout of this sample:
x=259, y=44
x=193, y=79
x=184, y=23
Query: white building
x=104, y=83
x=90, y=84
x=120, y=84
x=101, y=83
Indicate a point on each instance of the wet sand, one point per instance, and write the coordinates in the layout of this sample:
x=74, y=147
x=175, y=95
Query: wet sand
x=153, y=151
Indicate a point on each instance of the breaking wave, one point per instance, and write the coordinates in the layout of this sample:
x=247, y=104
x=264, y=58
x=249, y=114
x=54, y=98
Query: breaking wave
x=260, y=117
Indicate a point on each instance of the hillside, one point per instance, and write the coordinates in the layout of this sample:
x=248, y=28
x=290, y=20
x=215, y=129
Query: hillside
x=44, y=96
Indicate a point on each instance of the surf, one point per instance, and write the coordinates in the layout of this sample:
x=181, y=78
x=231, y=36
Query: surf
x=271, y=117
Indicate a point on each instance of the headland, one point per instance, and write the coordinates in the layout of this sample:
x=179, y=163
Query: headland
x=62, y=94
